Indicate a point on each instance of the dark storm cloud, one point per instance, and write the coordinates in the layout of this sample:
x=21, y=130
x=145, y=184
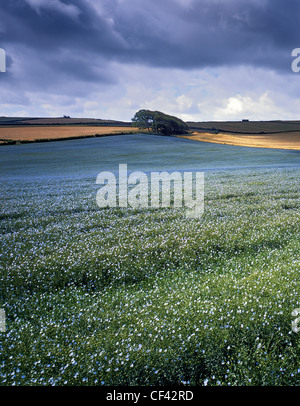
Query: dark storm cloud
x=81, y=37
x=53, y=45
x=36, y=25
x=211, y=32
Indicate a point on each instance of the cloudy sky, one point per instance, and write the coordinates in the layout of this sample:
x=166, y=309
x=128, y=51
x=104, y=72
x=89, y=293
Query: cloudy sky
x=198, y=59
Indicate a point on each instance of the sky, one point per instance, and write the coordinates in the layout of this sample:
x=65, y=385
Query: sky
x=200, y=60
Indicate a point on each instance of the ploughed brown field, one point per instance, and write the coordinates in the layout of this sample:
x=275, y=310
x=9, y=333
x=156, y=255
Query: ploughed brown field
x=284, y=140
x=48, y=133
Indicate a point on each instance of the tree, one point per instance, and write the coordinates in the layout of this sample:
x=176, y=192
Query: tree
x=157, y=122
x=143, y=119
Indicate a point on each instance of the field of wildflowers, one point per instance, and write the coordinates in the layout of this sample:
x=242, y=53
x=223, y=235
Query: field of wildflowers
x=146, y=296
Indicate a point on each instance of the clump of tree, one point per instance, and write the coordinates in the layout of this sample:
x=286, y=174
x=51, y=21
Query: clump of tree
x=157, y=122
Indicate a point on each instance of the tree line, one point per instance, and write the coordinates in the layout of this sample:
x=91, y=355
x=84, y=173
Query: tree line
x=157, y=122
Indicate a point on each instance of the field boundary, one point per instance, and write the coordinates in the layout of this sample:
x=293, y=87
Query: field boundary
x=21, y=135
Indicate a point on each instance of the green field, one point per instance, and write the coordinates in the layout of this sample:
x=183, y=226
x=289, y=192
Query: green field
x=38, y=121
x=247, y=127
x=147, y=297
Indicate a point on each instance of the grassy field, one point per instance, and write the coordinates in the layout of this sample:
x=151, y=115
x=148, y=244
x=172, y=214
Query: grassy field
x=145, y=296
x=30, y=121
x=247, y=127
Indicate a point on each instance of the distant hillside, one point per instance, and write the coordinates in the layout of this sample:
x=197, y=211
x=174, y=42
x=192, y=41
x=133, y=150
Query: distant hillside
x=246, y=127
x=32, y=121
x=214, y=127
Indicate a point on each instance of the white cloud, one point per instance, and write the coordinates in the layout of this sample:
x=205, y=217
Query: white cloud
x=245, y=106
x=184, y=103
x=193, y=95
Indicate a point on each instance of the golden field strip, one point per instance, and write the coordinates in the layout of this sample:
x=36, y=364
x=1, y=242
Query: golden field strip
x=284, y=140
x=49, y=133
x=42, y=130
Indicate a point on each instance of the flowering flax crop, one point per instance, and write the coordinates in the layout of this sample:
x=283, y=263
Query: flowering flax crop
x=122, y=296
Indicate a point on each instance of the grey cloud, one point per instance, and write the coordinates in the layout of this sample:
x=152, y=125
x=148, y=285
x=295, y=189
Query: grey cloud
x=210, y=32
x=70, y=48
x=158, y=33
